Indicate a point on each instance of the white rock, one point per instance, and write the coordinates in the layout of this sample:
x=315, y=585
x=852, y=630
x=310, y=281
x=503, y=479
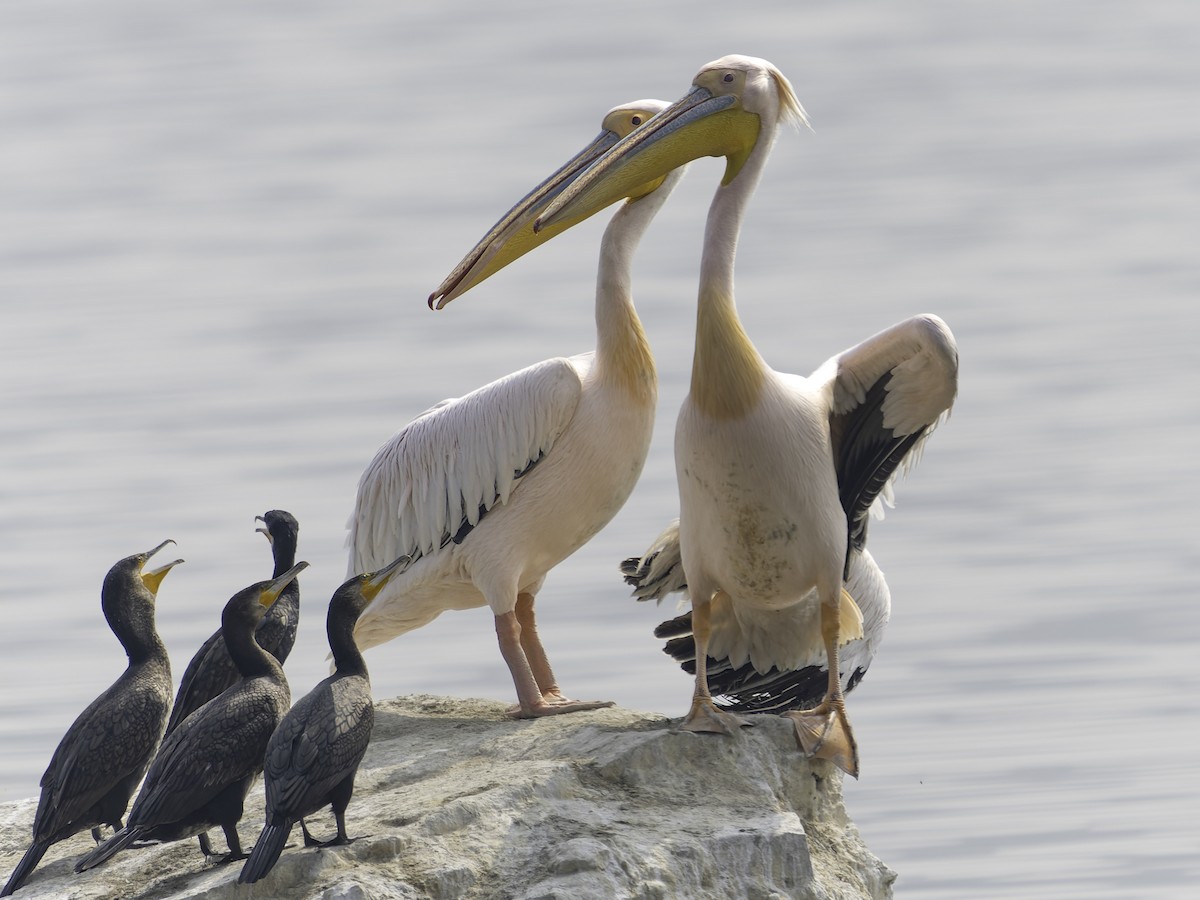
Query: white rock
x=455, y=800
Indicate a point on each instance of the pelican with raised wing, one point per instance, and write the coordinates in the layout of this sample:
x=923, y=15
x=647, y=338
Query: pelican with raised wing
x=772, y=468
x=488, y=492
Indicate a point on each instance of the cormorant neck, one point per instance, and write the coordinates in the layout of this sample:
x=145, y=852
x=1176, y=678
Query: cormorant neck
x=141, y=647
x=347, y=658
x=133, y=624
x=249, y=657
x=283, y=549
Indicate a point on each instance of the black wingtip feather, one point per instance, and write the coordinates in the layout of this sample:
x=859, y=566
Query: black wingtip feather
x=25, y=867
x=677, y=627
x=108, y=849
x=266, y=852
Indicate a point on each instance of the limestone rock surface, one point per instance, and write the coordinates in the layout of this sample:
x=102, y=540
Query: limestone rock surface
x=455, y=800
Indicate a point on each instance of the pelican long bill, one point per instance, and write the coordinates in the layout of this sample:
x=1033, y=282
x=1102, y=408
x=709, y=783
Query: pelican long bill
x=514, y=235
x=699, y=124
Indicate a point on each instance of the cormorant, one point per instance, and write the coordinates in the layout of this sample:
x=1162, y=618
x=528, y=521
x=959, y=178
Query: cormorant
x=202, y=772
x=313, y=755
x=211, y=670
x=105, y=752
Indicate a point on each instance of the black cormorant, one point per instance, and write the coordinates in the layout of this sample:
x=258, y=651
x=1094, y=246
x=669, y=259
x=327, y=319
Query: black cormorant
x=211, y=670
x=314, y=754
x=106, y=750
x=202, y=772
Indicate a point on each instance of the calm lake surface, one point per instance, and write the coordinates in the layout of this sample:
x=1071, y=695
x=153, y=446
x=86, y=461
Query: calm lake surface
x=219, y=223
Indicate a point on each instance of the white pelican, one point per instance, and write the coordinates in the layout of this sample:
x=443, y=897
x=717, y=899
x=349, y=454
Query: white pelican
x=659, y=572
x=488, y=492
x=766, y=528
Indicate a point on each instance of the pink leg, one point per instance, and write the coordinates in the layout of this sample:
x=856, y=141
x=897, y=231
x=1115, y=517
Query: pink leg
x=531, y=643
x=508, y=633
x=538, y=693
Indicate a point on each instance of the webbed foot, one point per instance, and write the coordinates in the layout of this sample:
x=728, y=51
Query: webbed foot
x=704, y=716
x=825, y=733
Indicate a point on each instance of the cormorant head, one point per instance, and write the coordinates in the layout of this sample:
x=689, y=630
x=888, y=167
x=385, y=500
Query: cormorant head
x=356, y=594
x=249, y=605
x=129, y=591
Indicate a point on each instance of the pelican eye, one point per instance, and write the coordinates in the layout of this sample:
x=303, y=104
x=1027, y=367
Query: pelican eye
x=636, y=120
x=728, y=79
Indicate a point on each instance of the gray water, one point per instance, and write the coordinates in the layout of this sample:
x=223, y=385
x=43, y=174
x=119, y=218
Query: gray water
x=219, y=223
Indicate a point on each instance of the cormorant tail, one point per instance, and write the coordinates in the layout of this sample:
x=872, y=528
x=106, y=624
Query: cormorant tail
x=25, y=867
x=266, y=851
x=109, y=848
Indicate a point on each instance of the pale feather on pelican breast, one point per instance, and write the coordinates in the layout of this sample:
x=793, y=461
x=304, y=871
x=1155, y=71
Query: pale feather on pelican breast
x=485, y=494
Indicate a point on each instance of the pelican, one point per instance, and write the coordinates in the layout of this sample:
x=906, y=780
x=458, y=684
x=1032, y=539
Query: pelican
x=488, y=492
x=773, y=469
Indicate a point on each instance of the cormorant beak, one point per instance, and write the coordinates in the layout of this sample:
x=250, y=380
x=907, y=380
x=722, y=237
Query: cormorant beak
x=264, y=529
x=700, y=124
x=374, y=582
x=153, y=579
x=514, y=235
x=271, y=592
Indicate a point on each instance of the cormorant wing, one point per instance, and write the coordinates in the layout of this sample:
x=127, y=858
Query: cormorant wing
x=107, y=742
x=320, y=741
x=218, y=744
x=203, y=679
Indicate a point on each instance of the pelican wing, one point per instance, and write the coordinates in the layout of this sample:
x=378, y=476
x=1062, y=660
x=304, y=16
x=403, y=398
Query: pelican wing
x=433, y=482
x=743, y=689
x=659, y=571
x=888, y=394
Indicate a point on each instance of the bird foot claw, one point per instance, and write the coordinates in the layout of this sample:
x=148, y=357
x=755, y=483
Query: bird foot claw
x=556, y=704
x=225, y=859
x=336, y=841
x=704, y=717
x=826, y=734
